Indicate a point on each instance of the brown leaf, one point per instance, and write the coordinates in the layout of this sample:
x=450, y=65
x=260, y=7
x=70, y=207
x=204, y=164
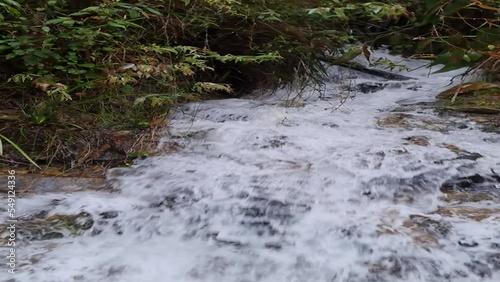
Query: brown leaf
x=466, y=88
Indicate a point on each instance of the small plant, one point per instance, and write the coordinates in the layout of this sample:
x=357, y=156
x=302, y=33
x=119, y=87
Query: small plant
x=17, y=148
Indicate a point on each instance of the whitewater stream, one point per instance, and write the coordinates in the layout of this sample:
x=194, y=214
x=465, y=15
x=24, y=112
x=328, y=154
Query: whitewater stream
x=360, y=181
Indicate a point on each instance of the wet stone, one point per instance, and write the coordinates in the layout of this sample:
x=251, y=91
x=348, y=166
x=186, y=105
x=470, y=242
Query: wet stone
x=273, y=246
x=40, y=184
x=495, y=246
x=434, y=227
x=109, y=214
x=479, y=268
x=494, y=260
x=424, y=231
x=330, y=124
x=474, y=213
x=51, y=235
x=394, y=266
x=399, y=187
x=417, y=140
x=370, y=87
x=492, y=139
x=273, y=143
x=178, y=198
x=473, y=188
x=265, y=217
x=468, y=243
x=52, y=227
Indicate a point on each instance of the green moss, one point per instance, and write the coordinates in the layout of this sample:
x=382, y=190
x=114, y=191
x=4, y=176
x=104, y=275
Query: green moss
x=484, y=101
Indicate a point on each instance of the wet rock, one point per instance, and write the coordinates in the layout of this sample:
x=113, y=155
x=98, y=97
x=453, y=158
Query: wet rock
x=370, y=87
x=51, y=235
x=403, y=187
x=404, y=106
x=253, y=212
x=266, y=217
x=95, y=232
x=275, y=142
x=472, y=188
x=417, y=140
x=410, y=121
x=41, y=184
x=455, y=149
x=461, y=154
x=177, y=198
x=81, y=221
x=475, y=97
x=350, y=232
x=273, y=246
x=375, y=72
x=395, y=120
x=261, y=227
x=52, y=227
x=494, y=260
x=468, y=89
x=109, y=214
x=330, y=124
x=489, y=123
x=425, y=231
x=468, y=243
x=474, y=213
x=399, y=199
x=479, y=268
x=292, y=103
x=495, y=139
x=495, y=246
x=231, y=117
x=117, y=228
x=219, y=238
x=394, y=266
x=434, y=227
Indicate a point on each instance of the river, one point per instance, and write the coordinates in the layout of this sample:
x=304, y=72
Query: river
x=332, y=185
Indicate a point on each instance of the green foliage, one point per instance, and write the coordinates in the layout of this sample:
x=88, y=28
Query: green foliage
x=162, y=52
x=456, y=34
x=122, y=64
x=467, y=32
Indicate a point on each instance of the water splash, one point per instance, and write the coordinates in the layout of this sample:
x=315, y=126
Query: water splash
x=257, y=191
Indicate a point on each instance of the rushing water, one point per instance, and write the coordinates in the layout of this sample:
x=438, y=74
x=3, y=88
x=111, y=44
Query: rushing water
x=253, y=190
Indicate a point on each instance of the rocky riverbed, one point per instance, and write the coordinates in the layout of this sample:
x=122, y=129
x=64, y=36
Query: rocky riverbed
x=364, y=180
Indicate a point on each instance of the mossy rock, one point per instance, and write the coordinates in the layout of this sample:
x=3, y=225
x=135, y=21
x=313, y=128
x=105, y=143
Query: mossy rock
x=481, y=98
x=52, y=227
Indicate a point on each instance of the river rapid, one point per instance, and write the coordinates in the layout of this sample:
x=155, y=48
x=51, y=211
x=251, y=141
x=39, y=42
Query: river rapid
x=359, y=181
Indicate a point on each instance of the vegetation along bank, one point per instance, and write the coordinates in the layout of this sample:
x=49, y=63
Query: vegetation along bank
x=88, y=83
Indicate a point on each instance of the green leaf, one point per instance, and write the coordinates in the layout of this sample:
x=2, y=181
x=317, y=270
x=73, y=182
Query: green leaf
x=154, y=11
x=10, y=56
x=451, y=67
x=57, y=20
x=19, y=150
x=46, y=28
x=68, y=22
x=114, y=24
x=87, y=65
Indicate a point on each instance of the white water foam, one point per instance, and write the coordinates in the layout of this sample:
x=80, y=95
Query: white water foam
x=263, y=192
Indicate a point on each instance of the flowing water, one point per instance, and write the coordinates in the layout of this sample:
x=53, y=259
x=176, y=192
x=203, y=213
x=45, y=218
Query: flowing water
x=295, y=189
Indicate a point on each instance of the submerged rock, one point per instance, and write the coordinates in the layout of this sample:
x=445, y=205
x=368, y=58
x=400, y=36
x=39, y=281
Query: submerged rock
x=52, y=227
x=472, y=188
x=474, y=213
x=417, y=140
